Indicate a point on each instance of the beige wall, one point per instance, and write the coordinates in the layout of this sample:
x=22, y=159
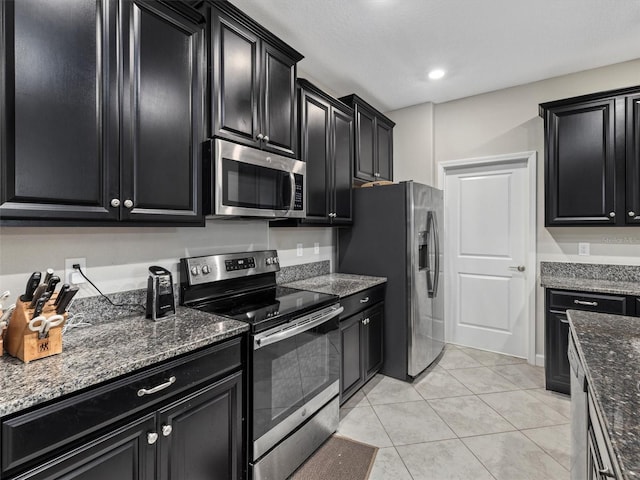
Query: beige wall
x=507, y=121
x=413, y=143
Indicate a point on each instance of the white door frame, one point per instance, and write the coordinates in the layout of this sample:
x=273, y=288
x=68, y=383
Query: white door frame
x=530, y=158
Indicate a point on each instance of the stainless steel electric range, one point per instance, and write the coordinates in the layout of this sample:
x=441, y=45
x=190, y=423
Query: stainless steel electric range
x=294, y=354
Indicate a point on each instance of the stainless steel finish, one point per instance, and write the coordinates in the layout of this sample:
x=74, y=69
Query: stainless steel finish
x=283, y=460
x=166, y=430
x=632, y=214
x=263, y=444
x=579, y=414
x=152, y=438
x=150, y=391
x=425, y=335
x=128, y=203
x=364, y=300
x=583, y=302
x=260, y=136
x=253, y=156
x=266, y=261
x=520, y=268
x=115, y=202
x=295, y=327
x=612, y=214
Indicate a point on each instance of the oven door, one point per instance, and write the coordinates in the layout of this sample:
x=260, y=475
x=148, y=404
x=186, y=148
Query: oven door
x=295, y=373
x=250, y=182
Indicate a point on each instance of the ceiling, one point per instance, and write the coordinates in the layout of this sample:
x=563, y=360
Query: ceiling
x=384, y=49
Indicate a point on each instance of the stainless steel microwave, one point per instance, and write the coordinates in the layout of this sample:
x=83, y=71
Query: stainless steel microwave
x=248, y=182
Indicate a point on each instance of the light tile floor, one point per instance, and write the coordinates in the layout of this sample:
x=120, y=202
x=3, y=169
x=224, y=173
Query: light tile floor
x=473, y=415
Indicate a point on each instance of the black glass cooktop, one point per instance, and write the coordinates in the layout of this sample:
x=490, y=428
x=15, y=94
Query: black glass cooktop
x=268, y=307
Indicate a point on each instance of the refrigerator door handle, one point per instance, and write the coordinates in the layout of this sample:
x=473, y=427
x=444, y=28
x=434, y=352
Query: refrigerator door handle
x=432, y=282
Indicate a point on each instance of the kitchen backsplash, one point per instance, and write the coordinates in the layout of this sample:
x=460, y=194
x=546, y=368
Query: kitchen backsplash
x=303, y=271
x=622, y=273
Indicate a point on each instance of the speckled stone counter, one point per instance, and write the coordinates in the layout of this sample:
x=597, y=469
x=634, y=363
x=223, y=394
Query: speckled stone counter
x=589, y=277
x=107, y=350
x=341, y=284
x=609, y=348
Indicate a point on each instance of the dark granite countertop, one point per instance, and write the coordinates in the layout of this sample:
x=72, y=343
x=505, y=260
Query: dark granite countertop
x=341, y=284
x=609, y=348
x=591, y=285
x=107, y=350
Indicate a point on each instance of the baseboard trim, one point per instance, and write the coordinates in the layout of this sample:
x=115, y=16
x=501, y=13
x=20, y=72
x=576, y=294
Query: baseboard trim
x=539, y=360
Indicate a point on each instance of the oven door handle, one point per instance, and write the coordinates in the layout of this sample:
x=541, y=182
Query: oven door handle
x=269, y=338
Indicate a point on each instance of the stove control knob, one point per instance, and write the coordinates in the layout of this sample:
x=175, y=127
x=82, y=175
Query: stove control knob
x=276, y=260
x=206, y=270
x=269, y=260
x=195, y=270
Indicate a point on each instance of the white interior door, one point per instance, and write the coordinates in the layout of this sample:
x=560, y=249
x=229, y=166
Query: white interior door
x=487, y=214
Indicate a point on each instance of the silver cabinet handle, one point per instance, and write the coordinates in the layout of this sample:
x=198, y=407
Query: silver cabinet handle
x=606, y=472
x=266, y=138
x=143, y=391
x=152, y=438
x=364, y=300
x=612, y=214
x=115, y=202
x=632, y=214
x=166, y=430
x=520, y=268
x=588, y=304
x=128, y=203
x=365, y=321
x=564, y=320
x=260, y=136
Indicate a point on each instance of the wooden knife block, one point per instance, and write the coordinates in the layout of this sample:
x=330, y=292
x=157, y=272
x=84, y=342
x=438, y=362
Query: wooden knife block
x=23, y=343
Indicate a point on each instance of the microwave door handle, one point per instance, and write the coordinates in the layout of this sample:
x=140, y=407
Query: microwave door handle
x=292, y=179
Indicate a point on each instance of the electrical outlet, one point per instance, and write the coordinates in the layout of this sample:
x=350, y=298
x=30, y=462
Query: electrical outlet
x=584, y=248
x=316, y=248
x=71, y=275
x=299, y=250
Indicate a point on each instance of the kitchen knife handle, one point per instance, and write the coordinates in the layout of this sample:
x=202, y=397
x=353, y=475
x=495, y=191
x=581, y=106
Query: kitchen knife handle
x=63, y=291
x=37, y=294
x=66, y=300
x=39, y=306
x=32, y=284
x=53, y=282
x=48, y=275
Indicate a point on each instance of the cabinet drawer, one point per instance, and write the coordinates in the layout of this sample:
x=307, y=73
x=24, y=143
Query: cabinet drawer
x=40, y=431
x=361, y=300
x=563, y=300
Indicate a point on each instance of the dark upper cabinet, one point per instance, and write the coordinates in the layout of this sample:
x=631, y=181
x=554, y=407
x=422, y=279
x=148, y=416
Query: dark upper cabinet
x=253, y=81
x=326, y=145
x=101, y=121
x=591, y=159
x=373, y=141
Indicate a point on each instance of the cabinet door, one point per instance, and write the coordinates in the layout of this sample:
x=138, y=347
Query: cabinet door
x=315, y=152
x=162, y=114
x=235, y=81
x=632, y=211
x=556, y=361
x=58, y=110
x=365, y=144
x=351, y=369
x=201, y=434
x=125, y=454
x=384, y=147
x=581, y=164
x=374, y=324
x=342, y=166
x=279, y=117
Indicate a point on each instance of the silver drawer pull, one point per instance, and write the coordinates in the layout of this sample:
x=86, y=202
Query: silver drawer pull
x=143, y=391
x=606, y=472
x=564, y=320
x=588, y=304
x=364, y=300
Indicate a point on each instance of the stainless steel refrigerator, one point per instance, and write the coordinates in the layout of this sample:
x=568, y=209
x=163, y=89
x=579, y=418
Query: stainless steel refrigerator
x=397, y=233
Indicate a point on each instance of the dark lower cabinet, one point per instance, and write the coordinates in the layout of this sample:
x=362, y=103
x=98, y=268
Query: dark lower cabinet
x=181, y=420
x=361, y=344
x=557, y=302
x=592, y=159
x=101, y=107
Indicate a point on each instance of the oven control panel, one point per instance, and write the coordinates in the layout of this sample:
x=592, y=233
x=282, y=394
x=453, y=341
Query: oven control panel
x=212, y=268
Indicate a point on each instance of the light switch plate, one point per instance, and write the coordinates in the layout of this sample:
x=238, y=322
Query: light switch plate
x=584, y=248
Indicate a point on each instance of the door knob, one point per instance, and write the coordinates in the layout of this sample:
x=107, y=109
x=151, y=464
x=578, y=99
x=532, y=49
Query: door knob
x=520, y=268
x=115, y=202
x=260, y=136
x=632, y=214
x=128, y=203
x=612, y=214
x=152, y=438
x=266, y=138
x=166, y=430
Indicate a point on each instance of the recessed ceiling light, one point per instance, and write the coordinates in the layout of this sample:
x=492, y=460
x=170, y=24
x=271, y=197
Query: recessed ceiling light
x=436, y=74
